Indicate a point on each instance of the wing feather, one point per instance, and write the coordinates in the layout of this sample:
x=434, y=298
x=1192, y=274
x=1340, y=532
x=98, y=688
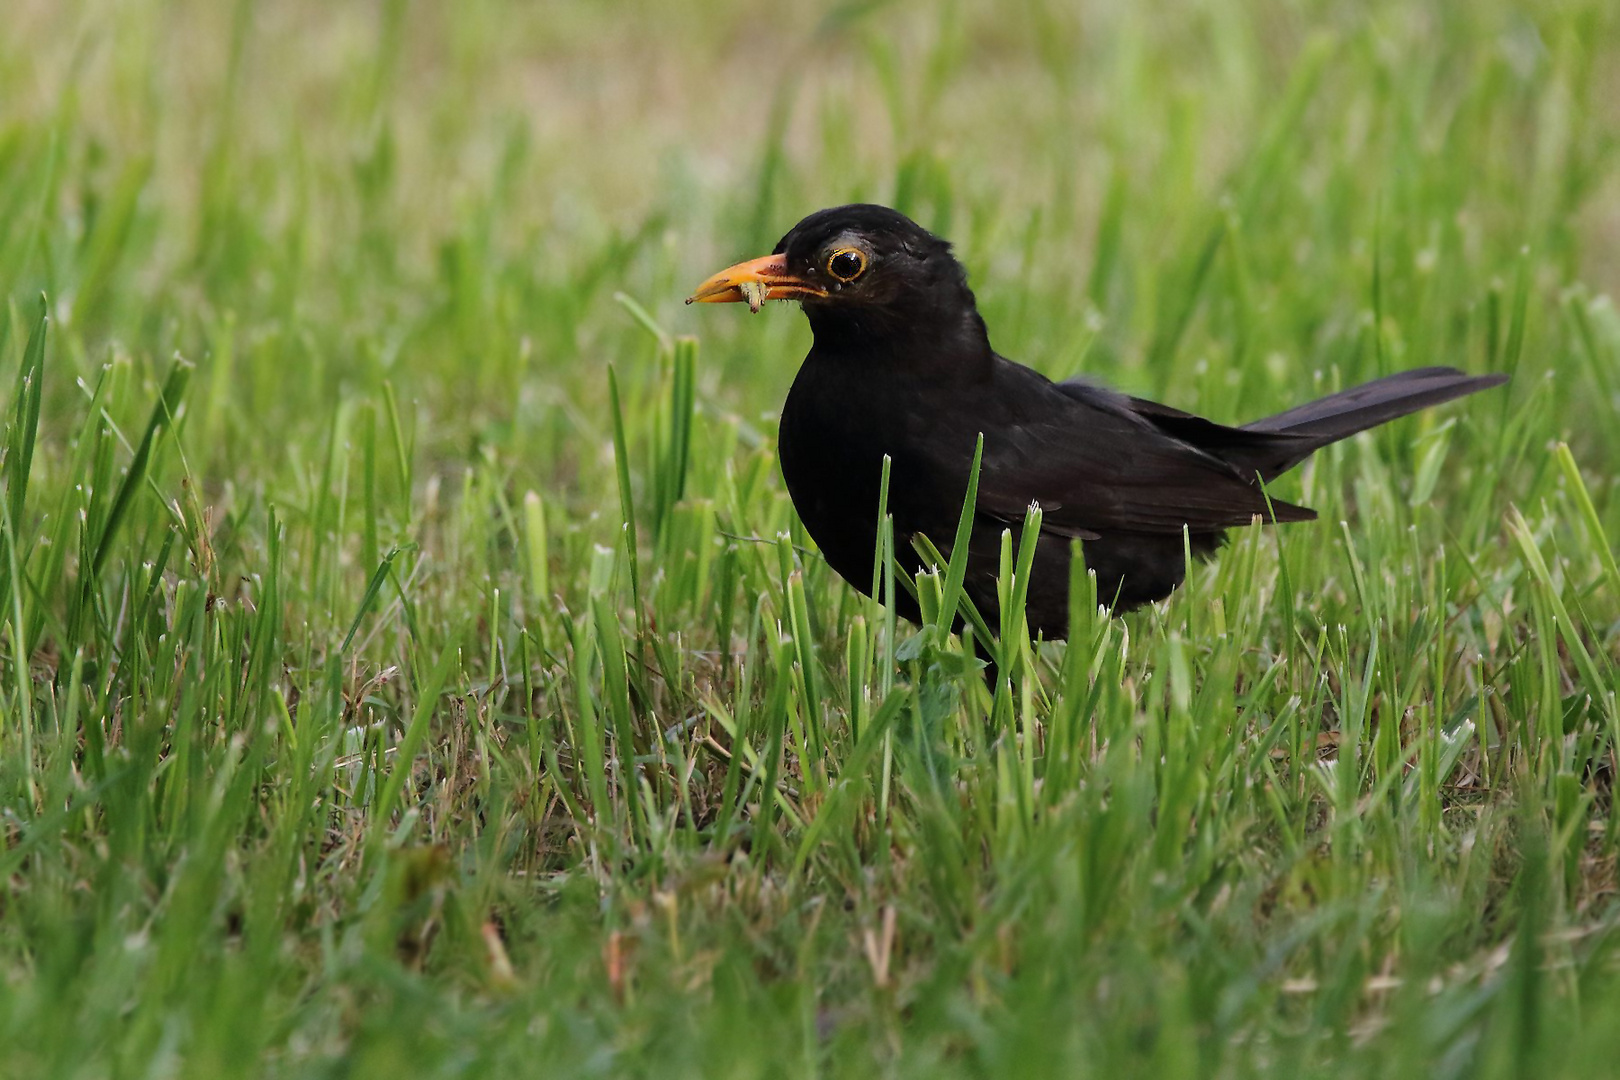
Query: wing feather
x=1097, y=462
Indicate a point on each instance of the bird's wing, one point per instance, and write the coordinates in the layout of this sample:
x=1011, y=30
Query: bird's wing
x=1098, y=462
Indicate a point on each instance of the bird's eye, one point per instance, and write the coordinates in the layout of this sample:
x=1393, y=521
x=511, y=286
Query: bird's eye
x=846, y=264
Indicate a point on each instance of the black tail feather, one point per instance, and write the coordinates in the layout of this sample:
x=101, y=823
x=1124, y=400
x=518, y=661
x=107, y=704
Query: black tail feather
x=1338, y=416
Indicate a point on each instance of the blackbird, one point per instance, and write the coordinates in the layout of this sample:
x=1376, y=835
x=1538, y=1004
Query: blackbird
x=902, y=366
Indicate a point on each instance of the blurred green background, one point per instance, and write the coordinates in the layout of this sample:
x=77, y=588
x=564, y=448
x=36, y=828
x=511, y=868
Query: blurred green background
x=385, y=685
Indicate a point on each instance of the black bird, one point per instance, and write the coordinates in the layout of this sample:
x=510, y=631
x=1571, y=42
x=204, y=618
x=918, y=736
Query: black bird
x=902, y=365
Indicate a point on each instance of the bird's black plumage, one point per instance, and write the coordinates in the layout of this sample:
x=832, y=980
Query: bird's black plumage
x=902, y=366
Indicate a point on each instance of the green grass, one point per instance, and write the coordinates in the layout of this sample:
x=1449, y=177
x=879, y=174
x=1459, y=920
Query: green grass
x=410, y=660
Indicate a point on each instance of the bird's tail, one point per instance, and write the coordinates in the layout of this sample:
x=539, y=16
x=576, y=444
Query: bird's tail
x=1338, y=416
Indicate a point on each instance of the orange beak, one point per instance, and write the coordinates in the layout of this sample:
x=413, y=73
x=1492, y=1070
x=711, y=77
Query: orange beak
x=754, y=282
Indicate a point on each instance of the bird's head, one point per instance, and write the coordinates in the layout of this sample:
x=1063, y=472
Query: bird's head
x=865, y=274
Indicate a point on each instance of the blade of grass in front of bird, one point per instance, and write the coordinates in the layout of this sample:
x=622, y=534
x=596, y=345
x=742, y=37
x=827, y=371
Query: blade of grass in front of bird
x=1016, y=649
x=807, y=677
x=732, y=793
x=956, y=569
x=24, y=706
x=682, y=398
x=627, y=508
x=800, y=723
x=427, y=703
x=163, y=414
x=858, y=675
x=588, y=736
x=1589, y=516
x=1570, y=632
x=843, y=797
x=777, y=719
x=369, y=597
x=965, y=607
x=1177, y=784
x=883, y=578
x=1074, y=708
x=19, y=459
x=615, y=692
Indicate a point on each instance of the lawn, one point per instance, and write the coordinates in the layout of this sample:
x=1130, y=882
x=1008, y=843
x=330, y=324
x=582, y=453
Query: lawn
x=411, y=663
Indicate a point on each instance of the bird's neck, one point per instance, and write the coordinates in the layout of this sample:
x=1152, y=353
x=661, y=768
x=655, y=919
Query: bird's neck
x=939, y=342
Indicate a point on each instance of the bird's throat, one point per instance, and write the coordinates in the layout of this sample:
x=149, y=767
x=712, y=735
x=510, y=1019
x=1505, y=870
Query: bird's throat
x=951, y=344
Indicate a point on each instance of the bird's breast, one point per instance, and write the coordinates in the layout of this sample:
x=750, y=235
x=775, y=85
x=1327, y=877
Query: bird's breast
x=837, y=428
x=832, y=445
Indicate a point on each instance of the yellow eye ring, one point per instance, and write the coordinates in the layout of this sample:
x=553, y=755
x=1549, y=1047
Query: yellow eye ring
x=847, y=264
